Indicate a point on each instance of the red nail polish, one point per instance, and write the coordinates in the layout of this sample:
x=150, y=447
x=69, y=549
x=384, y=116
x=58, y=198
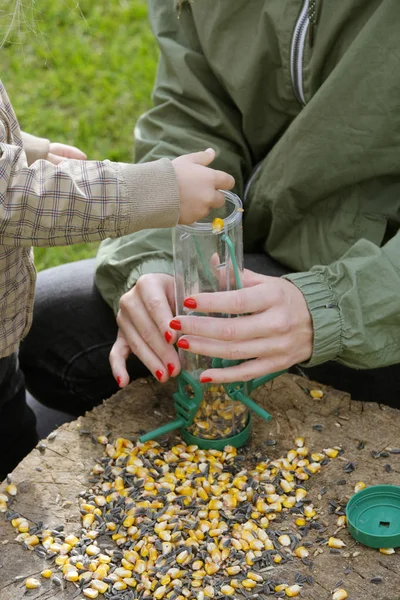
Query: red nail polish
x=171, y=368
x=190, y=303
x=159, y=375
x=168, y=336
x=183, y=344
x=175, y=324
x=119, y=381
x=205, y=379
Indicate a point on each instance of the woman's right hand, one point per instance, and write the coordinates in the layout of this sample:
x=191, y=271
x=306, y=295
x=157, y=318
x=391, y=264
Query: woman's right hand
x=143, y=321
x=199, y=185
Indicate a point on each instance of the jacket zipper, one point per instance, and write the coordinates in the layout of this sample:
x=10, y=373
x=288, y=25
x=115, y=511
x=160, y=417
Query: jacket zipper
x=297, y=52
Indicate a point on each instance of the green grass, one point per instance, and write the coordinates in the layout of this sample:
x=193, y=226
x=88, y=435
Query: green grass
x=82, y=75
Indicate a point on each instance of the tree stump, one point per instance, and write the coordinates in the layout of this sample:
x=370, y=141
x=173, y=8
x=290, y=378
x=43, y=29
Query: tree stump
x=49, y=481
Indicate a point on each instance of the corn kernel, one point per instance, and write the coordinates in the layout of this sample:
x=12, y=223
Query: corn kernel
x=292, y=591
x=387, y=550
x=335, y=543
x=339, y=594
x=359, y=486
x=316, y=394
x=31, y=583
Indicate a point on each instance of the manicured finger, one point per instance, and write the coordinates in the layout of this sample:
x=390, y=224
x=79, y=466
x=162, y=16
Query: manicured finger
x=245, y=371
x=119, y=354
x=144, y=353
x=157, y=302
x=237, y=302
x=216, y=348
x=231, y=330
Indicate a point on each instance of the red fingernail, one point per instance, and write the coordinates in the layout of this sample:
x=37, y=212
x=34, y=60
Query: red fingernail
x=171, y=368
x=190, y=303
x=183, y=344
x=119, y=381
x=205, y=379
x=175, y=324
x=168, y=336
x=159, y=375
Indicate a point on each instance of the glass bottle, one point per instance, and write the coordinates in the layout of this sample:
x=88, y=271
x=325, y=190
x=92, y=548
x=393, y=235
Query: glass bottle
x=208, y=257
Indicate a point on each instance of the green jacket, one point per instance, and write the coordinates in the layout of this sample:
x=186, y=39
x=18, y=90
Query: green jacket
x=307, y=116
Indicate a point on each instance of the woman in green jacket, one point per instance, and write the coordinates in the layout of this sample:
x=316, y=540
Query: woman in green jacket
x=301, y=99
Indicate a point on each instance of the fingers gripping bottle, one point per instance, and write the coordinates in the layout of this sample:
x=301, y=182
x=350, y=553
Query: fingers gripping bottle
x=208, y=257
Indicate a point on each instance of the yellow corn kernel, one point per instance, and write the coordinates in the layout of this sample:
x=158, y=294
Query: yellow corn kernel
x=98, y=585
x=331, y=452
x=339, y=594
x=335, y=543
x=287, y=486
x=209, y=591
x=71, y=575
x=316, y=394
x=211, y=568
x=90, y=593
x=254, y=576
x=277, y=558
x=31, y=583
x=284, y=540
x=130, y=581
x=387, y=550
x=92, y=550
x=359, y=486
x=227, y=590
x=248, y=583
x=32, y=540
x=234, y=570
x=301, y=552
x=23, y=526
x=11, y=489
x=61, y=560
x=217, y=225
x=341, y=521
x=299, y=442
x=119, y=586
x=301, y=493
x=160, y=592
x=292, y=591
x=280, y=588
x=300, y=522
x=47, y=573
x=309, y=511
x=87, y=520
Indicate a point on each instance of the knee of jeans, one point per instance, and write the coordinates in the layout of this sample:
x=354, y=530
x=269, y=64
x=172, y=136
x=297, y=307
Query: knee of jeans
x=88, y=374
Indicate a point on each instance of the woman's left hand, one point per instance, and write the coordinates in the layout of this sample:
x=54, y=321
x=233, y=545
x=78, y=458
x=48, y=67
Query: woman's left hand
x=274, y=333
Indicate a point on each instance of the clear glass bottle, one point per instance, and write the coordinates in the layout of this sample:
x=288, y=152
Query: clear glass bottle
x=203, y=263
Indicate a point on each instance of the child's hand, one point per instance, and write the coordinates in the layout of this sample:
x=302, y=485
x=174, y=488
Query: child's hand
x=199, y=185
x=59, y=152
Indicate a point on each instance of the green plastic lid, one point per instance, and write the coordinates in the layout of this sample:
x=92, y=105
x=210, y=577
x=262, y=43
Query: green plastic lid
x=237, y=441
x=373, y=516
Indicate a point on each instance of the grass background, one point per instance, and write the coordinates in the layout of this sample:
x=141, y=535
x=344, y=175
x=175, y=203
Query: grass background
x=80, y=74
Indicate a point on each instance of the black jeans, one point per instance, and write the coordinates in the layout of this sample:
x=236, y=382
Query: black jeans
x=17, y=421
x=65, y=356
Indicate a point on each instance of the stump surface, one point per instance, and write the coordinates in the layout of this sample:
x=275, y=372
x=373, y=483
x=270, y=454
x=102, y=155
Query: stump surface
x=49, y=482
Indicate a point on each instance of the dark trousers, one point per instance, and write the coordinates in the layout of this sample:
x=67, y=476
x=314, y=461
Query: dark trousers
x=65, y=356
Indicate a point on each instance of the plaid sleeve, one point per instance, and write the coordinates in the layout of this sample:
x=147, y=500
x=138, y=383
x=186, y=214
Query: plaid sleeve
x=77, y=201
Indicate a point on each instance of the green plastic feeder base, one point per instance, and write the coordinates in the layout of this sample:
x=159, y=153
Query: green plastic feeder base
x=237, y=441
x=373, y=516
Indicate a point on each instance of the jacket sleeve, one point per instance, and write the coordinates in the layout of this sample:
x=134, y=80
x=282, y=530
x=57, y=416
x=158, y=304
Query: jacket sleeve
x=354, y=304
x=35, y=147
x=191, y=112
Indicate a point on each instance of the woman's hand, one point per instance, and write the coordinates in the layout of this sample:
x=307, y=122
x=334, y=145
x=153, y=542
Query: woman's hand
x=143, y=320
x=275, y=334
x=59, y=152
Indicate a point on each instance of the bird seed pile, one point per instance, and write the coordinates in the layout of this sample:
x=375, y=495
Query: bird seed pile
x=184, y=523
